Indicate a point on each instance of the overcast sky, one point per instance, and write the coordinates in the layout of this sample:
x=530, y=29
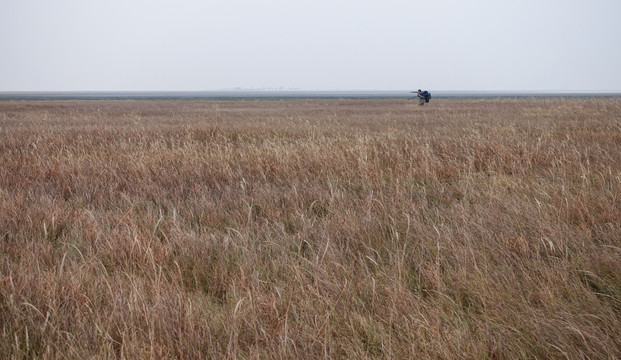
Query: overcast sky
x=168, y=45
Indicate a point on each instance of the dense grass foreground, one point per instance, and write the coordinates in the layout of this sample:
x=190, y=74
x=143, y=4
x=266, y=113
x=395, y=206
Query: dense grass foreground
x=310, y=229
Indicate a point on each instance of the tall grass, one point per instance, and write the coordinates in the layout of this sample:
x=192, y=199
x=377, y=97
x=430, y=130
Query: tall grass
x=310, y=229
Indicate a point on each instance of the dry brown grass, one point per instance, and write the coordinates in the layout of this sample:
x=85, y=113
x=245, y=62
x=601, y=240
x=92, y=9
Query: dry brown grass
x=310, y=229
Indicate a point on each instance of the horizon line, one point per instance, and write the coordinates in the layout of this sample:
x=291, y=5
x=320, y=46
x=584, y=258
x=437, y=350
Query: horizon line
x=287, y=94
x=270, y=89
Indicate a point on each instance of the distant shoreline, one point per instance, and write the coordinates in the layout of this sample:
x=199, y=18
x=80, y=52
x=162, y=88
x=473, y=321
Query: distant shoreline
x=297, y=94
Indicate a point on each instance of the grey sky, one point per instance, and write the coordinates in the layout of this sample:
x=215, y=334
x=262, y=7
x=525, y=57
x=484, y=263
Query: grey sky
x=134, y=45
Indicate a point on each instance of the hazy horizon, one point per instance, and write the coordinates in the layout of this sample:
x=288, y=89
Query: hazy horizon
x=337, y=45
x=286, y=94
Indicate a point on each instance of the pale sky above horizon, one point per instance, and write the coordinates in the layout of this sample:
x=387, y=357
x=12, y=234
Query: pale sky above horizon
x=191, y=45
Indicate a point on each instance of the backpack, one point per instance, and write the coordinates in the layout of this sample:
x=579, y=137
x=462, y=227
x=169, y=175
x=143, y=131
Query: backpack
x=427, y=95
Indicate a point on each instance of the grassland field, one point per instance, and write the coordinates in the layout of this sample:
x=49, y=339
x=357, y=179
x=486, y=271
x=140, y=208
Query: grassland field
x=308, y=229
